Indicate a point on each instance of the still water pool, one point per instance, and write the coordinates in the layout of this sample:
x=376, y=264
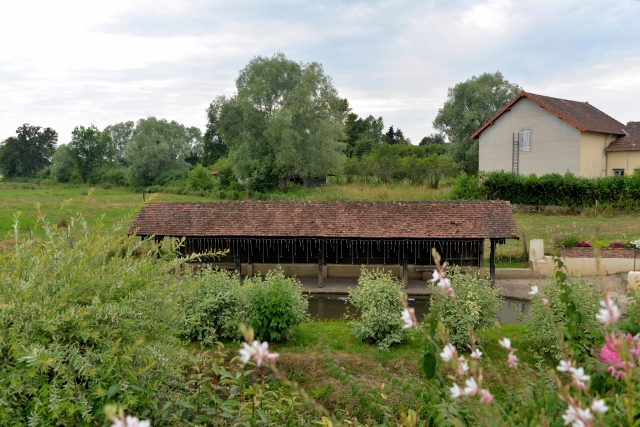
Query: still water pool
x=335, y=306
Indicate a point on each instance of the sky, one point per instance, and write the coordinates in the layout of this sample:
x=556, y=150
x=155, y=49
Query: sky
x=76, y=62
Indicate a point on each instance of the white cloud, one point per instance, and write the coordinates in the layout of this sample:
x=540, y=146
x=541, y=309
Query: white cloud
x=74, y=62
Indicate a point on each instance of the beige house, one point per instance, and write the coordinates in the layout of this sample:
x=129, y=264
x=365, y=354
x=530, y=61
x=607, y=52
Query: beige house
x=540, y=134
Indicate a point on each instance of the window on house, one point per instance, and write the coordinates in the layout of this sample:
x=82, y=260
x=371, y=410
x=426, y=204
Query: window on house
x=618, y=172
x=525, y=140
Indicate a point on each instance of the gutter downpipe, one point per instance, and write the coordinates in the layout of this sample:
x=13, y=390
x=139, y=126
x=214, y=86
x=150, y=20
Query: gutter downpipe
x=606, y=154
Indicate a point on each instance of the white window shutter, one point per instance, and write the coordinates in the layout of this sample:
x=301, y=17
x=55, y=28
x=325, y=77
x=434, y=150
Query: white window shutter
x=525, y=138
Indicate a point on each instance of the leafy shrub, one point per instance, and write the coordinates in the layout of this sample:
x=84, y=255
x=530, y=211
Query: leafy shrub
x=467, y=187
x=378, y=297
x=276, y=305
x=569, y=241
x=477, y=304
x=200, y=178
x=584, y=244
x=175, y=177
x=82, y=325
x=215, y=307
x=543, y=321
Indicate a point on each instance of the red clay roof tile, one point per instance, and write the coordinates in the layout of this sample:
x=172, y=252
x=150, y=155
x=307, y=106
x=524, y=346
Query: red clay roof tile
x=582, y=115
x=374, y=220
x=629, y=142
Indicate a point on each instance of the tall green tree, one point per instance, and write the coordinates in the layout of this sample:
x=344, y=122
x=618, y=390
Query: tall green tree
x=63, y=165
x=286, y=121
x=363, y=132
x=90, y=149
x=434, y=138
x=121, y=135
x=213, y=147
x=159, y=146
x=27, y=152
x=469, y=105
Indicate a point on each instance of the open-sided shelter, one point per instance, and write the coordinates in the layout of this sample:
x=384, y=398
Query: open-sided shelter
x=333, y=239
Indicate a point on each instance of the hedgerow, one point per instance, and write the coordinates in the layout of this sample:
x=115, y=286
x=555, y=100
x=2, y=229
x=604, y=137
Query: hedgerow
x=552, y=189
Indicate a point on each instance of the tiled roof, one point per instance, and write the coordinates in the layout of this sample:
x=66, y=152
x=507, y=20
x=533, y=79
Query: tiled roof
x=377, y=220
x=582, y=115
x=629, y=142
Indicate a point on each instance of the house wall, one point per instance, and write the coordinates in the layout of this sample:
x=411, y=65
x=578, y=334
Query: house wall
x=592, y=159
x=555, y=144
x=627, y=160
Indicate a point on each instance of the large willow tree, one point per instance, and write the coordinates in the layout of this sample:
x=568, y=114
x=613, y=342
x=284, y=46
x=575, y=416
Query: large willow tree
x=285, y=122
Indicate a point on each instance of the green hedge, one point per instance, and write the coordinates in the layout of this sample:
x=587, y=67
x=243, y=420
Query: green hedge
x=552, y=189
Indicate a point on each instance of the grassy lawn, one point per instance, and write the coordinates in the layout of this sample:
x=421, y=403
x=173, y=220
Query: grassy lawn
x=305, y=359
x=113, y=204
x=547, y=227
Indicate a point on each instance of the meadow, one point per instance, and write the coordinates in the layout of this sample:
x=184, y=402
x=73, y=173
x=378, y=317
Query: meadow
x=59, y=202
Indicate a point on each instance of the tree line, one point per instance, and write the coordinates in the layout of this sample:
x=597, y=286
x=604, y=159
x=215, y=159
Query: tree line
x=285, y=122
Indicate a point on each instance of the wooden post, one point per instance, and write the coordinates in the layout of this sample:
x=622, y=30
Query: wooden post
x=405, y=269
x=239, y=267
x=320, y=262
x=524, y=245
x=492, y=262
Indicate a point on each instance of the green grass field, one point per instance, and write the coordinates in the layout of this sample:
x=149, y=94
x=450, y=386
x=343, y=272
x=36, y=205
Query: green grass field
x=117, y=204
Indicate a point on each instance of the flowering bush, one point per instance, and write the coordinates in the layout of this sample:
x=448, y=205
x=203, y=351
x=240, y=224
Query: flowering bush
x=476, y=304
x=545, y=316
x=616, y=245
x=584, y=244
x=378, y=298
x=635, y=243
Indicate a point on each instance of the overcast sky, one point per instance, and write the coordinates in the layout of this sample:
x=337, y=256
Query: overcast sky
x=67, y=63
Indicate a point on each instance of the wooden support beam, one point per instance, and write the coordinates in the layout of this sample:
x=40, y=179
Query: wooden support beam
x=239, y=267
x=320, y=262
x=492, y=262
x=405, y=269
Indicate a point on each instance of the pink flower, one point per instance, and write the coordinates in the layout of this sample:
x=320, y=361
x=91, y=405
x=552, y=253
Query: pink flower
x=612, y=354
x=485, y=396
x=475, y=354
x=512, y=360
x=449, y=353
x=409, y=318
x=446, y=285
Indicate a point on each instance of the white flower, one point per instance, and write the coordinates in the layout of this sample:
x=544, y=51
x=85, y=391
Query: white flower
x=579, y=375
x=564, y=366
x=534, y=290
x=475, y=354
x=247, y=352
x=446, y=285
x=456, y=391
x=463, y=366
x=506, y=343
x=257, y=352
x=448, y=353
x=598, y=406
x=585, y=416
x=471, y=388
x=409, y=318
x=485, y=396
x=131, y=422
x=609, y=313
x=571, y=417
x=436, y=276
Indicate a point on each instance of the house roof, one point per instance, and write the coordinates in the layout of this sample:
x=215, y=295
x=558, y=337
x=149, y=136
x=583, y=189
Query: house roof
x=582, y=115
x=367, y=220
x=629, y=142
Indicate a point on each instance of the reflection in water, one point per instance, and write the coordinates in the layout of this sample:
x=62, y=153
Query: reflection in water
x=333, y=306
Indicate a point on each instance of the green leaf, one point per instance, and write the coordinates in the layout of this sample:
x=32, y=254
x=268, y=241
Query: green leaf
x=429, y=365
